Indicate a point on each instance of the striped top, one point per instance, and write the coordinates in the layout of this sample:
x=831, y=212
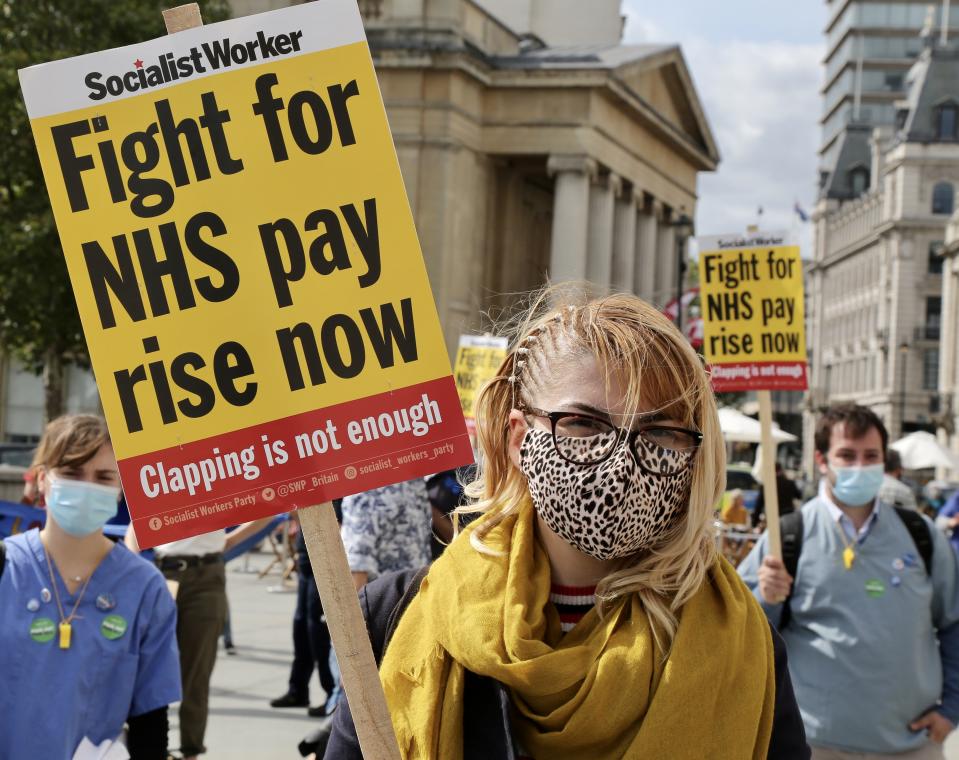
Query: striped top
x=572, y=603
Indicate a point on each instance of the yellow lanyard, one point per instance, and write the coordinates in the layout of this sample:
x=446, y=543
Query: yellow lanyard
x=66, y=627
x=849, y=553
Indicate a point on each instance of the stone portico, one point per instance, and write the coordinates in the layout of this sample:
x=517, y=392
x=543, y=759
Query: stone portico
x=525, y=162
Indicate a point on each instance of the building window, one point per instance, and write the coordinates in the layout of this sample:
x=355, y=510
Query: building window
x=82, y=396
x=23, y=404
x=947, y=119
x=933, y=317
x=935, y=259
x=893, y=81
x=943, y=198
x=930, y=369
x=859, y=181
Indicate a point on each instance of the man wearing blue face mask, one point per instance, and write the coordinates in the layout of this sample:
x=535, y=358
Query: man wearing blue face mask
x=870, y=614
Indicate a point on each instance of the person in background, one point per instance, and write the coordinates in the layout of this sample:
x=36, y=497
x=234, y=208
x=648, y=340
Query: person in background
x=787, y=492
x=311, y=637
x=445, y=494
x=87, y=629
x=933, y=497
x=445, y=491
x=872, y=632
x=893, y=491
x=387, y=529
x=734, y=510
x=948, y=519
x=31, y=493
x=735, y=517
x=196, y=568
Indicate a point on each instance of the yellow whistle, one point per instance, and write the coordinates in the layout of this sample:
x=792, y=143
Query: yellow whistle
x=848, y=557
x=65, y=632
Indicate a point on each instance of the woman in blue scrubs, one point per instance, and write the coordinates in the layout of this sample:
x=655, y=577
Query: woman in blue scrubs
x=88, y=633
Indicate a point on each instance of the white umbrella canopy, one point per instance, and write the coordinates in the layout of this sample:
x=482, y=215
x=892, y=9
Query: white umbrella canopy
x=739, y=428
x=921, y=450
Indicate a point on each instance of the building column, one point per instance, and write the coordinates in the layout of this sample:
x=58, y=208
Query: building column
x=647, y=237
x=599, y=257
x=567, y=260
x=949, y=356
x=624, y=241
x=665, y=261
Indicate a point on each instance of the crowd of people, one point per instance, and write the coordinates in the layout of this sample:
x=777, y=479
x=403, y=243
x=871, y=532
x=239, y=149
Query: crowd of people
x=564, y=598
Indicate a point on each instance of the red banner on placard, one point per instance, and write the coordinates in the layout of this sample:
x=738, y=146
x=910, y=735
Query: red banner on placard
x=296, y=462
x=759, y=376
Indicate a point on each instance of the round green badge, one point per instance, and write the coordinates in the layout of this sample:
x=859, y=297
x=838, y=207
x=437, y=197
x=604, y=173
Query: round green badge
x=113, y=627
x=875, y=588
x=42, y=630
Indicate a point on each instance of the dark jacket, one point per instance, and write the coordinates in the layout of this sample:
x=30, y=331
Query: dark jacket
x=487, y=731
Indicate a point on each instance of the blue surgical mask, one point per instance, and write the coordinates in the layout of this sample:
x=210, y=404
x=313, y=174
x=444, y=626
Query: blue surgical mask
x=81, y=508
x=857, y=486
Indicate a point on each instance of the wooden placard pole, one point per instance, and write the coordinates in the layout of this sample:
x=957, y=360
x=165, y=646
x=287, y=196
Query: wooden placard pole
x=770, y=494
x=321, y=532
x=182, y=17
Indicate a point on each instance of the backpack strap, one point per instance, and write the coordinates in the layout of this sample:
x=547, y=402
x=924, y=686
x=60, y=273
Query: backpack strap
x=919, y=531
x=3, y=557
x=397, y=612
x=791, y=530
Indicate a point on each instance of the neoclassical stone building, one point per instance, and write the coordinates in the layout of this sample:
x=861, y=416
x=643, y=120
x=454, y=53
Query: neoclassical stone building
x=533, y=145
x=876, y=302
x=525, y=161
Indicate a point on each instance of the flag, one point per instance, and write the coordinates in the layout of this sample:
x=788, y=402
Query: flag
x=688, y=297
x=694, y=330
x=803, y=216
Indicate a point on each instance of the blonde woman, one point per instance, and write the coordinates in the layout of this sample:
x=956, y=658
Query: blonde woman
x=585, y=613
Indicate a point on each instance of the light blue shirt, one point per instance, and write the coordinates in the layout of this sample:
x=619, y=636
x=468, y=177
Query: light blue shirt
x=869, y=646
x=840, y=517
x=50, y=698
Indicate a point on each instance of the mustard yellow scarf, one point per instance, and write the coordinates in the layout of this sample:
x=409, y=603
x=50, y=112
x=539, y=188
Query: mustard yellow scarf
x=600, y=691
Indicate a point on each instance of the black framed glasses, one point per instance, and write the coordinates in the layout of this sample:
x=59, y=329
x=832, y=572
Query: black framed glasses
x=586, y=440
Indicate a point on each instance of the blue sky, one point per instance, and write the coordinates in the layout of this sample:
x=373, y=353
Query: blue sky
x=757, y=67
x=755, y=20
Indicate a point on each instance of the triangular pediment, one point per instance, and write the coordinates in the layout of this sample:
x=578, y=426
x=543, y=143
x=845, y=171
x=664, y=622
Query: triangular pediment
x=662, y=81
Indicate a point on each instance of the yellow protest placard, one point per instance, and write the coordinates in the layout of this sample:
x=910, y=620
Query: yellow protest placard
x=244, y=259
x=477, y=359
x=751, y=291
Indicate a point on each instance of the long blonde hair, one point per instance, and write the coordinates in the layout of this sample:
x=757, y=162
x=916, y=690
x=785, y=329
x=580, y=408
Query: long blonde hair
x=660, y=371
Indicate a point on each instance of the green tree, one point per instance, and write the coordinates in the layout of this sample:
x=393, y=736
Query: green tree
x=39, y=323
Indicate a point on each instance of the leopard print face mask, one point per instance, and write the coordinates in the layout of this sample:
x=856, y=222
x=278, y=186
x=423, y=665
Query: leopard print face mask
x=609, y=510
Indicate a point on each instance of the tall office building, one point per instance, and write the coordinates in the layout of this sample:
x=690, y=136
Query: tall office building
x=870, y=47
x=875, y=284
